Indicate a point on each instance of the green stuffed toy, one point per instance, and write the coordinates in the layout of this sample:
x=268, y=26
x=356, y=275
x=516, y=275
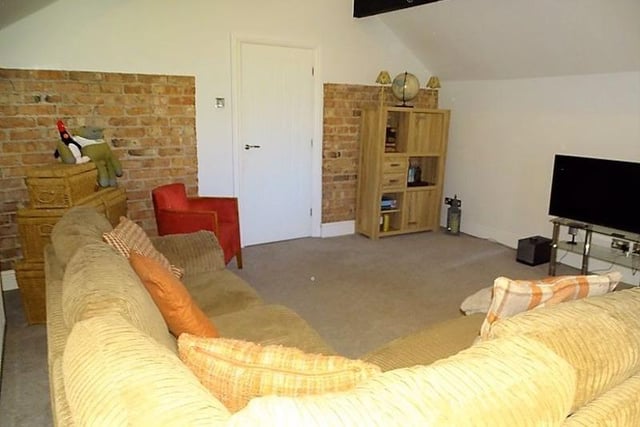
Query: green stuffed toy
x=86, y=146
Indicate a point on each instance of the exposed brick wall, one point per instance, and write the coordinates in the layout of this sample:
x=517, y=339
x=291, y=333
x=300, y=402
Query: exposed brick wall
x=149, y=121
x=341, y=147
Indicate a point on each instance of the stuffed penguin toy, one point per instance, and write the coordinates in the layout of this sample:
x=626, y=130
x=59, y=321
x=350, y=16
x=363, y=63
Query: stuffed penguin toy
x=79, y=149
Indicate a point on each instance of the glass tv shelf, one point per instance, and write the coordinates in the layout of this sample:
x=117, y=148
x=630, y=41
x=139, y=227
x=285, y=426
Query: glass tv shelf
x=587, y=250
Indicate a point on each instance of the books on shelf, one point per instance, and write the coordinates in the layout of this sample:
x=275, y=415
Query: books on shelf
x=390, y=140
x=388, y=203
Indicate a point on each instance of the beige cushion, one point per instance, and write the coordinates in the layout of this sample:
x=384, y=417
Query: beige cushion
x=271, y=324
x=196, y=252
x=117, y=376
x=236, y=371
x=79, y=226
x=598, y=336
x=128, y=236
x=98, y=281
x=515, y=296
x=509, y=382
x=478, y=302
x=429, y=344
x=220, y=291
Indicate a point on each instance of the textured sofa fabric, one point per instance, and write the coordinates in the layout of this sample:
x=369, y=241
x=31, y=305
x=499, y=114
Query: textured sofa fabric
x=113, y=362
x=603, y=347
x=152, y=382
x=428, y=345
x=512, y=382
x=118, y=291
x=91, y=280
x=619, y=406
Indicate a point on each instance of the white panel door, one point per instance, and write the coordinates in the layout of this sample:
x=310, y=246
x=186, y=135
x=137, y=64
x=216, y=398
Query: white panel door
x=275, y=131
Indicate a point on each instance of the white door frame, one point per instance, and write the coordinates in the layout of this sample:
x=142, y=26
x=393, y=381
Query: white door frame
x=316, y=151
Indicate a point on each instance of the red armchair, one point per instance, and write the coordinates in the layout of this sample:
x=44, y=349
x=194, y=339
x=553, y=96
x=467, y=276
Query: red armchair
x=176, y=213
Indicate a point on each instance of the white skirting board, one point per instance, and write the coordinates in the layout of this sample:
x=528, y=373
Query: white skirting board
x=9, y=281
x=341, y=228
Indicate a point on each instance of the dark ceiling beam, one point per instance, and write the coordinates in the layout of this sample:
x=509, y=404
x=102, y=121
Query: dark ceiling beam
x=362, y=8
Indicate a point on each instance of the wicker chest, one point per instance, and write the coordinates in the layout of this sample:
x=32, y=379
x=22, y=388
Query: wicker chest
x=35, y=225
x=53, y=190
x=61, y=186
x=30, y=277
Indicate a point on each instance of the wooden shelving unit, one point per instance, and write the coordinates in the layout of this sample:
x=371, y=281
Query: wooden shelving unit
x=402, y=158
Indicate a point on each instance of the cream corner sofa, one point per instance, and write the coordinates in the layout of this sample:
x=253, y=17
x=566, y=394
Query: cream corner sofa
x=112, y=361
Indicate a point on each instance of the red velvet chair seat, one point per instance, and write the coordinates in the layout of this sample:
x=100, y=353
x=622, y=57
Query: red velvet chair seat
x=176, y=213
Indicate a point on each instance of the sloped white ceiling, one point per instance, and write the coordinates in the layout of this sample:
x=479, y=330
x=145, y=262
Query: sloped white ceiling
x=497, y=39
x=504, y=39
x=13, y=10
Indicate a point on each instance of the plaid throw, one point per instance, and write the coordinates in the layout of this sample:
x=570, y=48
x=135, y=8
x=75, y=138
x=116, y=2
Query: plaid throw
x=128, y=236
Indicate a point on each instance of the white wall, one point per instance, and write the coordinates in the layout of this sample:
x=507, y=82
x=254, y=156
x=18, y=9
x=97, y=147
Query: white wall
x=194, y=38
x=504, y=134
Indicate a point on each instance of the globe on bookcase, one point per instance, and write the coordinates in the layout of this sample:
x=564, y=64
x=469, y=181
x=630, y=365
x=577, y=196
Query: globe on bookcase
x=405, y=87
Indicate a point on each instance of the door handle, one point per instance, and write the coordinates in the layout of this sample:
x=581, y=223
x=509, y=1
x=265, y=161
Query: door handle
x=248, y=147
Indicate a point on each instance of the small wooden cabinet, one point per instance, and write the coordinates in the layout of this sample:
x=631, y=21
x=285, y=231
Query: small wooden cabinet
x=400, y=178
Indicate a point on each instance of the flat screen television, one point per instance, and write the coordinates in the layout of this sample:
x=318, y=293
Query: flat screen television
x=596, y=191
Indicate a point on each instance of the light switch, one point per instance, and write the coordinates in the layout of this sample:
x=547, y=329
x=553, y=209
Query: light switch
x=219, y=102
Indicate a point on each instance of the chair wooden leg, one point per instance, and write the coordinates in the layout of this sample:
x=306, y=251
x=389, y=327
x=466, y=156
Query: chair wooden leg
x=239, y=259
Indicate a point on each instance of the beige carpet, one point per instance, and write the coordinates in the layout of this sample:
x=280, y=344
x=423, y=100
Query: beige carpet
x=358, y=293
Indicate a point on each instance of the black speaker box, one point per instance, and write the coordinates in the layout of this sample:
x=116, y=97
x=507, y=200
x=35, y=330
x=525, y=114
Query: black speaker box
x=534, y=250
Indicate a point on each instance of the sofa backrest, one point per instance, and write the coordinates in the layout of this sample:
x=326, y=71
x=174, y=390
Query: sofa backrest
x=505, y=382
x=79, y=226
x=599, y=337
x=99, y=281
x=502, y=382
x=619, y=406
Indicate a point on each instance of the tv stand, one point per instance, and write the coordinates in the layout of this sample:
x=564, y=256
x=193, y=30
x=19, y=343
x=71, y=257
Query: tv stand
x=627, y=259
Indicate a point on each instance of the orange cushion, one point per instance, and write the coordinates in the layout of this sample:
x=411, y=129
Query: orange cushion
x=173, y=300
x=236, y=371
x=511, y=297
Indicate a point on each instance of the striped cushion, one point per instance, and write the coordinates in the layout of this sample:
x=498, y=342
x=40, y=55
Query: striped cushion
x=511, y=297
x=236, y=371
x=128, y=236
